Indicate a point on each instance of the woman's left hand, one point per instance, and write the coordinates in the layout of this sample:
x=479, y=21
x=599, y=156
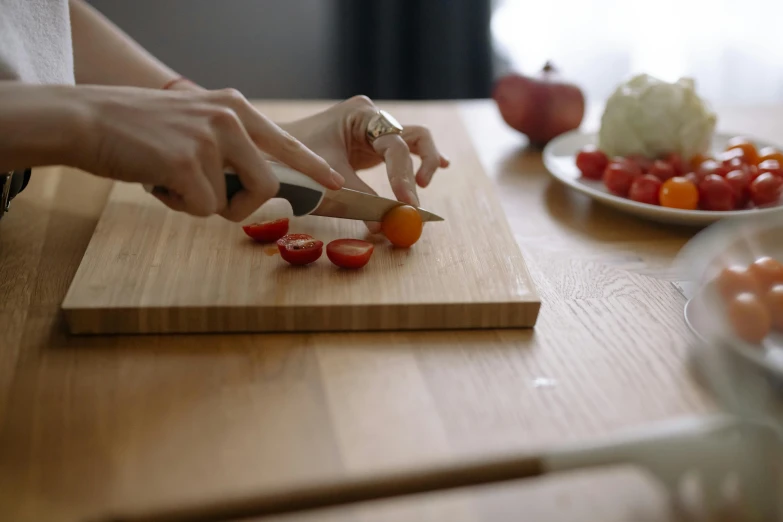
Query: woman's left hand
x=338, y=135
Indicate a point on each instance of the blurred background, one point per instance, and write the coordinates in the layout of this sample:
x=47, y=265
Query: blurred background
x=446, y=49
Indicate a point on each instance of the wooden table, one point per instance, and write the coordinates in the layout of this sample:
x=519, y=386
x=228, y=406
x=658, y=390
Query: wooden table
x=112, y=422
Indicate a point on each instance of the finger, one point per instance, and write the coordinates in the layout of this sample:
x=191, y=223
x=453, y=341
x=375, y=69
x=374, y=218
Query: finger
x=259, y=184
x=275, y=141
x=399, y=167
x=353, y=181
x=211, y=158
x=194, y=189
x=420, y=142
x=170, y=199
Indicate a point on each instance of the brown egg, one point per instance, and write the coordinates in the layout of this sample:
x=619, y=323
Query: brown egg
x=749, y=318
x=767, y=271
x=774, y=301
x=736, y=280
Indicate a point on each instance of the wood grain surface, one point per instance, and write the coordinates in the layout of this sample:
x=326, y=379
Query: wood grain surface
x=149, y=269
x=93, y=425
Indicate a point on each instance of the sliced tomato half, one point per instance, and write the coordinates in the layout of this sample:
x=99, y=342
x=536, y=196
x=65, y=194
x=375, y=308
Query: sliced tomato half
x=267, y=231
x=349, y=253
x=300, y=249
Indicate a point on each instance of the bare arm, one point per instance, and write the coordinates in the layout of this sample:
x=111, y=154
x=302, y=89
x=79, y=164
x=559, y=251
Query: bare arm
x=105, y=55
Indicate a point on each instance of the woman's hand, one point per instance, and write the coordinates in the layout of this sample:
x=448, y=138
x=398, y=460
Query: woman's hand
x=338, y=135
x=183, y=141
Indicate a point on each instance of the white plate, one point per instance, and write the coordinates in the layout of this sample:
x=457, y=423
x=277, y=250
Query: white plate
x=560, y=160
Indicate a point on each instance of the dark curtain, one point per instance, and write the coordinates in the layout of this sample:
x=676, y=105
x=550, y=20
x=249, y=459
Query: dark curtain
x=414, y=49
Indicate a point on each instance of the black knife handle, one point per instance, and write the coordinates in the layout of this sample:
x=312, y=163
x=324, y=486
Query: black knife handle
x=303, y=200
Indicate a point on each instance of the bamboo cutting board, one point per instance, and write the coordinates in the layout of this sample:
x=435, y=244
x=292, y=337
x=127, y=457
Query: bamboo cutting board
x=150, y=270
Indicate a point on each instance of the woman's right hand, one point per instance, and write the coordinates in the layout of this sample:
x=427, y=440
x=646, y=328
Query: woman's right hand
x=183, y=141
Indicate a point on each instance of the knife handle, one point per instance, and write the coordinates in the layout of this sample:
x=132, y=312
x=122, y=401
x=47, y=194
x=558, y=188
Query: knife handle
x=303, y=193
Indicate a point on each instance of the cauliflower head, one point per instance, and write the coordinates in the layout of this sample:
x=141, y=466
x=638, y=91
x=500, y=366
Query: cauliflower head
x=654, y=118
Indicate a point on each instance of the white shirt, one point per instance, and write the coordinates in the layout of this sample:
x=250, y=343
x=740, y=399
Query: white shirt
x=35, y=41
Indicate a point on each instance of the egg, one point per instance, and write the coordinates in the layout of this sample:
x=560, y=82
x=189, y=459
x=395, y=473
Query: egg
x=774, y=302
x=735, y=280
x=767, y=271
x=749, y=317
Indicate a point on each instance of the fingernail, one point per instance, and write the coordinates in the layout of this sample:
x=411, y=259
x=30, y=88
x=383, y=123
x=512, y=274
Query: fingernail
x=413, y=198
x=337, y=178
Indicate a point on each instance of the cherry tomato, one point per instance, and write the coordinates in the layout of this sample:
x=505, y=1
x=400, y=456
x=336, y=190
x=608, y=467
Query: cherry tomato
x=675, y=160
x=645, y=189
x=737, y=154
x=619, y=176
x=749, y=318
x=643, y=162
x=663, y=170
x=770, y=153
x=712, y=167
x=694, y=178
x=679, y=193
x=591, y=162
x=300, y=249
x=765, y=189
x=774, y=302
x=697, y=160
x=767, y=271
x=267, y=231
x=402, y=226
x=349, y=253
x=735, y=280
x=716, y=194
x=738, y=164
x=740, y=182
x=771, y=166
x=748, y=149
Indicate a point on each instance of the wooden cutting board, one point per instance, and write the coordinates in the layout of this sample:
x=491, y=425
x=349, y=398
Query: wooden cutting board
x=150, y=270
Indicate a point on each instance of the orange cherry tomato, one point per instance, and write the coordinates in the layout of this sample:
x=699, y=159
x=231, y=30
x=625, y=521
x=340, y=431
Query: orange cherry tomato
x=697, y=160
x=748, y=149
x=402, y=226
x=770, y=153
x=749, y=318
x=735, y=280
x=767, y=271
x=774, y=301
x=679, y=193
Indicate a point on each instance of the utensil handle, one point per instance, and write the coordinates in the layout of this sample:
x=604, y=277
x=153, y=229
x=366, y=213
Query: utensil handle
x=351, y=491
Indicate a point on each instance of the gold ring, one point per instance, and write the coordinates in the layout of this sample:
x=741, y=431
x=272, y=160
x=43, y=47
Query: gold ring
x=382, y=124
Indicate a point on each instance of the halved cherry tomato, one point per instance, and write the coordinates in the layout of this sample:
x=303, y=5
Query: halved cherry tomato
x=747, y=147
x=591, y=162
x=300, y=249
x=770, y=153
x=402, y=226
x=679, y=193
x=349, y=253
x=267, y=231
x=771, y=166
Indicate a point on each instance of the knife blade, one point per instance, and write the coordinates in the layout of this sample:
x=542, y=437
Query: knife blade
x=308, y=197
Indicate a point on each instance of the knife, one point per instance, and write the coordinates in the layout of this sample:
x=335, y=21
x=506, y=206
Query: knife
x=308, y=197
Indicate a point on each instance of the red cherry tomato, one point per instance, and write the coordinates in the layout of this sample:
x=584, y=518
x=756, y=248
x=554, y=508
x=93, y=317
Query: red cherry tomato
x=663, y=170
x=644, y=189
x=694, y=178
x=770, y=153
x=737, y=154
x=267, y=231
x=643, y=162
x=716, y=194
x=747, y=147
x=592, y=162
x=771, y=166
x=679, y=193
x=349, y=253
x=739, y=181
x=619, y=176
x=738, y=164
x=712, y=167
x=675, y=160
x=300, y=249
x=765, y=189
